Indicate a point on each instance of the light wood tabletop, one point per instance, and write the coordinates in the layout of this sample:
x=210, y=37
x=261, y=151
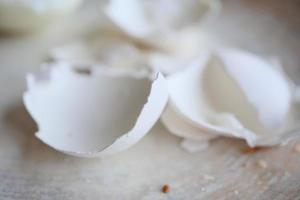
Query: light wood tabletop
x=31, y=170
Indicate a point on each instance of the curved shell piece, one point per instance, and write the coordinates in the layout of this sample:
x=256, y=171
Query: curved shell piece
x=272, y=99
x=94, y=111
x=229, y=93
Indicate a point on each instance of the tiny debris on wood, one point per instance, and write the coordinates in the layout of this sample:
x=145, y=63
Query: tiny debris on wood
x=236, y=192
x=208, y=177
x=165, y=188
x=259, y=183
x=262, y=164
x=297, y=148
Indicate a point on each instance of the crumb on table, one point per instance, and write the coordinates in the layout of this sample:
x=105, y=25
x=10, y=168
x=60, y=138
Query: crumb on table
x=165, y=188
x=208, y=177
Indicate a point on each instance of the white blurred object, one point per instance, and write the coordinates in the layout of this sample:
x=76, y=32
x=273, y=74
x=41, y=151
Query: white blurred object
x=103, y=112
x=154, y=21
x=108, y=51
x=232, y=93
x=26, y=15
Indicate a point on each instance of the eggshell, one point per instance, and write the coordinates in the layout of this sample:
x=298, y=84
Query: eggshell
x=265, y=88
x=93, y=111
x=230, y=93
x=193, y=146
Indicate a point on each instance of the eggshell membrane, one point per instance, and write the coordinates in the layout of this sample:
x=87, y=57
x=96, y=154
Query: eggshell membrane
x=250, y=72
x=187, y=99
x=190, y=101
x=96, y=114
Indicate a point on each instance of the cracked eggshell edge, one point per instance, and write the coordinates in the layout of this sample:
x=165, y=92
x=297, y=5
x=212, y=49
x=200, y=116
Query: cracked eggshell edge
x=148, y=116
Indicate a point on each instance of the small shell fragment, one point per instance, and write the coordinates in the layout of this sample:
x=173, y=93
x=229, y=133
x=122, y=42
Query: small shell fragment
x=193, y=146
x=252, y=150
x=297, y=148
x=229, y=93
x=262, y=164
x=95, y=111
x=208, y=177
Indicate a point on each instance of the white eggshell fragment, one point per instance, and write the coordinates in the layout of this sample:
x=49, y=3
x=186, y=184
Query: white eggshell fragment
x=230, y=93
x=24, y=15
x=182, y=127
x=180, y=52
x=93, y=111
x=265, y=87
x=148, y=19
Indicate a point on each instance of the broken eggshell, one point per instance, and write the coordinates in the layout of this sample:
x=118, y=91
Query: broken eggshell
x=229, y=93
x=94, y=111
x=198, y=42
x=155, y=21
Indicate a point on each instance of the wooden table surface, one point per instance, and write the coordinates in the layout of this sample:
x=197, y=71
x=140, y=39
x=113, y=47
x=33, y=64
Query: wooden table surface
x=31, y=170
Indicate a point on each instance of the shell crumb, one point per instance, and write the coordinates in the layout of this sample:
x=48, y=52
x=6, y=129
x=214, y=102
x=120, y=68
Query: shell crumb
x=208, y=177
x=264, y=188
x=165, y=188
x=236, y=192
x=203, y=189
x=297, y=148
x=262, y=164
x=259, y=183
